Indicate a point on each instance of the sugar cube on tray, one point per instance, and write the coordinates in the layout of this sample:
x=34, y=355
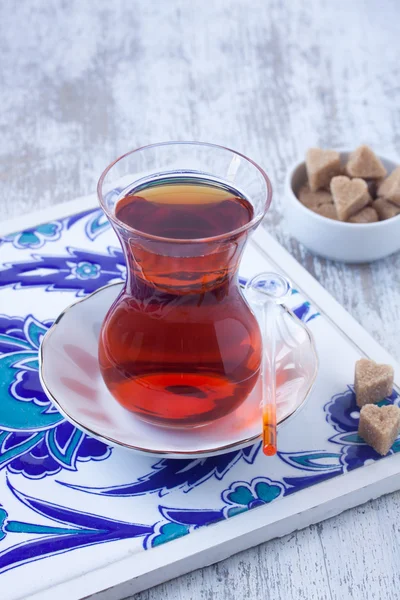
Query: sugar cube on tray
x=379, y=425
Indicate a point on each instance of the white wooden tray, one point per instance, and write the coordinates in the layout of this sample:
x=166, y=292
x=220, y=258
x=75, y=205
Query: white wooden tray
x=79, y=519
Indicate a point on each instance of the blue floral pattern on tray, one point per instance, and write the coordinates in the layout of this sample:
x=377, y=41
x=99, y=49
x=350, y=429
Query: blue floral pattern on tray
x=36, y=237
x=35, y=439
x=42, y=452
x=78, y=529
x=184, y=474
x=77, y=270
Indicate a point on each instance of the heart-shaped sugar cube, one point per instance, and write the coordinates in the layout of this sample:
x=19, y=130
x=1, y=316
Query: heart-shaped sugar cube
x=390, y=187
x=321, y=166
x=349, y=195
x=372, y=382
x=379, y=426
x=364, y=163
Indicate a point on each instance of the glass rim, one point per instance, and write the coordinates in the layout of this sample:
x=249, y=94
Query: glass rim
x=223, y=236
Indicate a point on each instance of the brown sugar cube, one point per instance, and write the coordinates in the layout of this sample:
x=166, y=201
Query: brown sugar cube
x=321, y=166
x=379, y=426
x=349, y=195
x=390, y=187
x=326, y=210
x=314, y=199
x=364, y=163
x=366, y=215
x=372, y=382
x=385, y=209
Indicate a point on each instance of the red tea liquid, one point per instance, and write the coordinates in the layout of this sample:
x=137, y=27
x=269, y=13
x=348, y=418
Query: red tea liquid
x=180, y=347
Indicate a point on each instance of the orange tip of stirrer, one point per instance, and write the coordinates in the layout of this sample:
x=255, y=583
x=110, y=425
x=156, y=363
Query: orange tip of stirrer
x=269, y=431
x=269, y=449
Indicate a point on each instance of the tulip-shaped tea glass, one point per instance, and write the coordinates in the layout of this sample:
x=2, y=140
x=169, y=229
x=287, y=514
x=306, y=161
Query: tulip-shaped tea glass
x=180, y=346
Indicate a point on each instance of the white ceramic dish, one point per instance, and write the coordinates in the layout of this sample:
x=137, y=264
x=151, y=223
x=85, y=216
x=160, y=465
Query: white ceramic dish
x=347, y=242
x=71, y=378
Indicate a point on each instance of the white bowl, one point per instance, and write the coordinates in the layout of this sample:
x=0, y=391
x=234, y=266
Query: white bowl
x=347, y=242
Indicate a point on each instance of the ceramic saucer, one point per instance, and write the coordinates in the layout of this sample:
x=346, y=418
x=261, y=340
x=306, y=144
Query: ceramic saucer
x=71, y=378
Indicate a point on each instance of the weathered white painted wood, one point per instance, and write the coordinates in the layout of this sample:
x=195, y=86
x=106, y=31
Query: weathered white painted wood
x=81, y=82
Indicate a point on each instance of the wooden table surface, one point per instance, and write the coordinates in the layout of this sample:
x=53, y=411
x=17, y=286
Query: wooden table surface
x=82, y=81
